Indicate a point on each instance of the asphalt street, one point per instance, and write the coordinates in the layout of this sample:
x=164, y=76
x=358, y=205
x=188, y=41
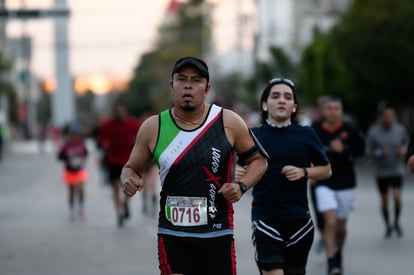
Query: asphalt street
x=37, y=238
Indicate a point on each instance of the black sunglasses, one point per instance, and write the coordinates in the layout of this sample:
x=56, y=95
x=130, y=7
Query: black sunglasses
x=281, y=80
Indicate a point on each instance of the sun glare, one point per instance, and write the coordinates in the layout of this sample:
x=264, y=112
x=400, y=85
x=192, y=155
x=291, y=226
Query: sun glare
x=49, y=85
x=98, y=84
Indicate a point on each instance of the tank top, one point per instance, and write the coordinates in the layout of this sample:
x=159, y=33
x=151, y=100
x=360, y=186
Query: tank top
x=194, y=164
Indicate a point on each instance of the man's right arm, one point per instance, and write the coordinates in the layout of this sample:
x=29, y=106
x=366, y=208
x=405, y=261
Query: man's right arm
x=140, y=157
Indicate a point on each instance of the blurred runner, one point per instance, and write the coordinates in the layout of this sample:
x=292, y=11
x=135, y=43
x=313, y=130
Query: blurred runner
x=73, y=153
x=335, y=196
x=387, y=142
x=117, y=137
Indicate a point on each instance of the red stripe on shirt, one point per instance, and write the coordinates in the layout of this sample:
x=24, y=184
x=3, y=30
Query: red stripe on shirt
x=230, y=212
x=197, y=138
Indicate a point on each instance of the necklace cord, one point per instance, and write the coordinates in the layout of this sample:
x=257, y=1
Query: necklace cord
x=195, y=122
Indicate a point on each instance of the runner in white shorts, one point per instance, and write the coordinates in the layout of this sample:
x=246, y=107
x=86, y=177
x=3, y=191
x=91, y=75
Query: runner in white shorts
x=342, y=201
x=335, y=196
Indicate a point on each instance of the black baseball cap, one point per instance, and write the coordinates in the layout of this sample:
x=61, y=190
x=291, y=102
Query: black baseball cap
x=199, y=64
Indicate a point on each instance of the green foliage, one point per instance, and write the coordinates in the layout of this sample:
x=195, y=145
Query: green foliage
x=365, y=59
x=149, y=87
x=84, y=102
x=280, y=65
x=228, y=90
x=378, y=49
x=323, y=71
x=44, y=109
x=7, y=89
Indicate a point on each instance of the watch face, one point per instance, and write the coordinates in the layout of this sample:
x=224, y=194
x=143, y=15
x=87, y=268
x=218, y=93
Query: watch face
x=243, y=187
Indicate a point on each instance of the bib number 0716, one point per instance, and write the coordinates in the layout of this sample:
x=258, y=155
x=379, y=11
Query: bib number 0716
x=185, y=215
x=186, y=211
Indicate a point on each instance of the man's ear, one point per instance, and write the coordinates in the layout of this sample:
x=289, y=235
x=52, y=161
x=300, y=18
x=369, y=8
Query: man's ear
x=208, y=88
x=171, y=86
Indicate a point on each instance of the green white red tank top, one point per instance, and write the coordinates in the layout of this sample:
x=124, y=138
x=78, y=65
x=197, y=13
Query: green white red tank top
x=193, y=166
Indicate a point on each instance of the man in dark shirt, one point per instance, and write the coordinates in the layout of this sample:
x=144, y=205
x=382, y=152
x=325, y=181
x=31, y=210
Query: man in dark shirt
x=335, y=196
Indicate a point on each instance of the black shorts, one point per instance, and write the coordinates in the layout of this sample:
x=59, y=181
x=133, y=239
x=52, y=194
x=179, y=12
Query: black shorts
x=283, y=245
x=384, y=183
x=114, y=171
x=196, y=256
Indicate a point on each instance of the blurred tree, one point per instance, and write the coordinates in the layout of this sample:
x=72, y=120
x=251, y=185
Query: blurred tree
x=84, y=105
x=182, y=35
x=44, y=109
x=365, y=59
x=377, y=42
x=323, y=71
x=280, y=65
x=229, y=90
x=7, y=89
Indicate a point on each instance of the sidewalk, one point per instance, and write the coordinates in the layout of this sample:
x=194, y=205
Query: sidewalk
x=36, y=237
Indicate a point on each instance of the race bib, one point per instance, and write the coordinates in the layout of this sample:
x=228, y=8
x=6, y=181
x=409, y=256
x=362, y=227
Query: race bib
x=186, y=211
x=76, y=162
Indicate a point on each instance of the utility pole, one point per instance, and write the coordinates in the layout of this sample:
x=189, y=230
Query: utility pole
x=63, y=100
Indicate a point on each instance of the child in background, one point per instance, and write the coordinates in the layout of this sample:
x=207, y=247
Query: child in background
x=73, y=153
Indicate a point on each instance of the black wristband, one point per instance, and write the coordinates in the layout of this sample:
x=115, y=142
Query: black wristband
x=243, y=186
x=305, y=172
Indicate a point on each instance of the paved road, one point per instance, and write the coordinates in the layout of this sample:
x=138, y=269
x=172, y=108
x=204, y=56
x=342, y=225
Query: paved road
x=36, y=237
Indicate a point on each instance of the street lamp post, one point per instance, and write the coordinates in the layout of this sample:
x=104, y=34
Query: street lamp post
x=63, y=99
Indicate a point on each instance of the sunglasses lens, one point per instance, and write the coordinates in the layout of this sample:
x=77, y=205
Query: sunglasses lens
x=282, y=80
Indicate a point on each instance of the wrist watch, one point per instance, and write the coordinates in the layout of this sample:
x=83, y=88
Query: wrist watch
x=305, y=172
x=243, y=186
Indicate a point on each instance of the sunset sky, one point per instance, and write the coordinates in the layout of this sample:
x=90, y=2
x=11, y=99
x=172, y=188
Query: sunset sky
x=107, y=37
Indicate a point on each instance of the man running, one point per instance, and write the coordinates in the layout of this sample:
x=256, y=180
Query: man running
x=387, y=142
x=193, y=145
x=116, y=138
x=335, y=196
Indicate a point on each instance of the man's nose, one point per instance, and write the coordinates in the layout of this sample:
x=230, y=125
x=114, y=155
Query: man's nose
x=188, y=83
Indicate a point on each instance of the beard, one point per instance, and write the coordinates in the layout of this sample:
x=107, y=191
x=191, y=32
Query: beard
x=187, y=107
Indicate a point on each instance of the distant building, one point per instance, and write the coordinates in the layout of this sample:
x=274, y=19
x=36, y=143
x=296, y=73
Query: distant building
x=289, y=24
x=233, y=30
x=252, y=27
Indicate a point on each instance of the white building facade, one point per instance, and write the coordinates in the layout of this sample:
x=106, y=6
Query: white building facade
x=245, y=30
x=289, y=24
